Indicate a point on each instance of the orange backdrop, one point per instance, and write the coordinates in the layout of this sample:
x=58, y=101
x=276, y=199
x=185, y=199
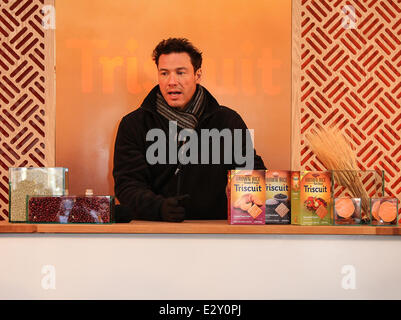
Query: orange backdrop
x=104, y=71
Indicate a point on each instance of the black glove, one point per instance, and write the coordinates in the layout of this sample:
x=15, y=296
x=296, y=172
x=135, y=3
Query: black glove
x=173, y=209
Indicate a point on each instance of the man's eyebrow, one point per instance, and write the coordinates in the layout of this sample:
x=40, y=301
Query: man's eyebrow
x=179, y=68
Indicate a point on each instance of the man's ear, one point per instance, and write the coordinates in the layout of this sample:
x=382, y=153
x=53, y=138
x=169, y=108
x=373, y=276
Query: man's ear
x=198, y=75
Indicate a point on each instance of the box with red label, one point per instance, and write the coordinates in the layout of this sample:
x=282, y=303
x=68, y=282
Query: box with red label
x=246, y=195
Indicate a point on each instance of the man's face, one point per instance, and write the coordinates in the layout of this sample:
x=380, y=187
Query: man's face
x=177, y=79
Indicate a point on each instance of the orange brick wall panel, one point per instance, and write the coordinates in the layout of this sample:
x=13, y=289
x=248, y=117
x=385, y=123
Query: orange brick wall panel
x=26, y=90
x=350, y=78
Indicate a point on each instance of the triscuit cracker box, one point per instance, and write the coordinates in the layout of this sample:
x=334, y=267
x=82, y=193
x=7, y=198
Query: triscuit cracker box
x=278, y=195
x=295, y=194
x=311, y=198
x=246, y=196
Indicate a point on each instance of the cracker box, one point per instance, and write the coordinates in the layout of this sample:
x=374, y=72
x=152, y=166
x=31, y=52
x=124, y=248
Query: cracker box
x=278, y=196
x=246, y=196
x=311, y=198
x=295, y=194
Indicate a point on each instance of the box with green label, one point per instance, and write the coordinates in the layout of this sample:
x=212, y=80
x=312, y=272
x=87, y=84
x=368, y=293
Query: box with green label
x=311, y=202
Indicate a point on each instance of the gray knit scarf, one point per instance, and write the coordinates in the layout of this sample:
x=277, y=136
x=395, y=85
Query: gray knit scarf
x=188, y=117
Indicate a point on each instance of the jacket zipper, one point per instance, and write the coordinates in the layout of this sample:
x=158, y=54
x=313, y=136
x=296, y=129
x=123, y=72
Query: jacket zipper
x=179, y=171
x=180, y=166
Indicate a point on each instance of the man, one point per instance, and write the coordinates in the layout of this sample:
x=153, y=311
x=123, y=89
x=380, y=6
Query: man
x=174, y=191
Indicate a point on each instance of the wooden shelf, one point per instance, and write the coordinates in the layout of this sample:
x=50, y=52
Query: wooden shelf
x=196, y=227
x=6, y=227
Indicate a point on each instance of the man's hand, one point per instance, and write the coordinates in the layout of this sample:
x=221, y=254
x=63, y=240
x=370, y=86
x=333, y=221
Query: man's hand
x=172, y=209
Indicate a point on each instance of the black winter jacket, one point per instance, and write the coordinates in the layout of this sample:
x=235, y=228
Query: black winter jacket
x=141, y=187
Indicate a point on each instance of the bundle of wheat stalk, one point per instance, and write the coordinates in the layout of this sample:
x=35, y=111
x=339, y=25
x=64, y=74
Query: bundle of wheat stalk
x=336, y=154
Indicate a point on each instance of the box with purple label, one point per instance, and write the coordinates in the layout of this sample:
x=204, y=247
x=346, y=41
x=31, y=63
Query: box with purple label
x=246, y=196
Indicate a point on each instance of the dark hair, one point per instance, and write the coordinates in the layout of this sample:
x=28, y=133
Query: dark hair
x=178, y=45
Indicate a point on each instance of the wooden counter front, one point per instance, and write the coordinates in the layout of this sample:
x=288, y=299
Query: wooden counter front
x=195, y=227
